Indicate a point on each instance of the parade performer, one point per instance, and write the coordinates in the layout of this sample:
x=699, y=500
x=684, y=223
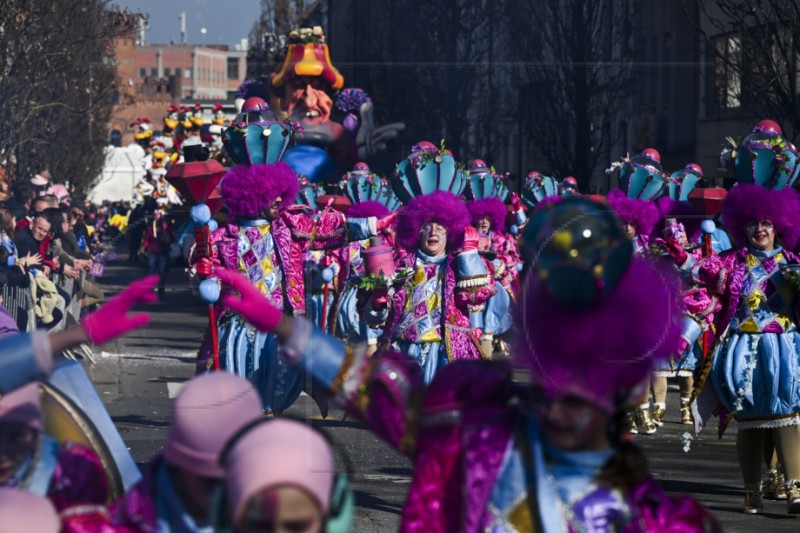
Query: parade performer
x=555, y=459
x=638, y=218
x=168, y=133
x=486, y=192
x=267, y=238
x=66, y=473
x=753, y=368
x=144, y=132
x=350, y=325
x=427, y=316
x=179, y=483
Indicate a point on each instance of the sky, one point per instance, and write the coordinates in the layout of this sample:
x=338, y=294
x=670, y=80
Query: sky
x=226, y=21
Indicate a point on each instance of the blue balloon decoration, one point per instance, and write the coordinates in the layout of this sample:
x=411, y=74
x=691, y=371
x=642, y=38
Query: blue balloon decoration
x=212, y=225
x=209, y=290
x=310, y=161
x=708, y=227
x=200, y=214
x=327, y=275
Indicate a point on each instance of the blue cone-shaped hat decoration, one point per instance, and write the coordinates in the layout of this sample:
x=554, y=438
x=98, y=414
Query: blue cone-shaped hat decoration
x=426, y=170
x=681, y=183
x=255, y=138
x=641, y=177
x=766, y=158
x=307, y=193
x=361, y=184
x=483, y=183
x=537, y=188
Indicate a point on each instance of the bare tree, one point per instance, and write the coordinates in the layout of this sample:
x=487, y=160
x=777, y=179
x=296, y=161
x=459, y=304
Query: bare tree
x=58, y=85
x=572, y=64
x=755, y=49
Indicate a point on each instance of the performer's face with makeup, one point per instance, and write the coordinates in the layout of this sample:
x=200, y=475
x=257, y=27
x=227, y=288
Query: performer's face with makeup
x=630, y=229
x=273, y=210
x=283, y=509
x=433, y=239
x=484, y=225
x=761, y=235
x=571, y=422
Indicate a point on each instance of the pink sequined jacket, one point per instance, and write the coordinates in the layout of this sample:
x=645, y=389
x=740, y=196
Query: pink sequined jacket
x=460, y=340
x=457, y=431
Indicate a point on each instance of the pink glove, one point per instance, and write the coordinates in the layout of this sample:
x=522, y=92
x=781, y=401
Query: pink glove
x=471, y=238
x=515, y=205
x=380, y=298
x=674, y=249
x=204, y=266
x=112, y=319
x=250, y=304
x=385, y=222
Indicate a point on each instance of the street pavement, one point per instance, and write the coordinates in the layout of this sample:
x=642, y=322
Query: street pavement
x=138, y=376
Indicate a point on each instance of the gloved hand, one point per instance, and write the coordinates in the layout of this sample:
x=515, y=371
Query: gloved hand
x=471, y=238
x=380, y=298
x=204, y=266
x=112, y=319
x=674, y=249
x=250, y=304
x=515, y=203
x=385, y=222
x=682, y=346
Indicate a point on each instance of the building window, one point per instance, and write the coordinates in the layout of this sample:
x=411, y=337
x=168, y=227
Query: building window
x=233, y=68
x=178, y=71
x=142, y=72
x=727, y=51
x=187, y=73
x=166, y=73
x=154, y=72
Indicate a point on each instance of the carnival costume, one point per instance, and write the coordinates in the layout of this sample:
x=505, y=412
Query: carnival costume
x=349, y=324
x=640, y=217
x=270, y=253
x=754, y=366
x=482, y=462
x=428, y=315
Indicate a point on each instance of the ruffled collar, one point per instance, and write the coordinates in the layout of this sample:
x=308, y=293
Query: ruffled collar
x=763, y=253
x=253, y=222
x=425, y=258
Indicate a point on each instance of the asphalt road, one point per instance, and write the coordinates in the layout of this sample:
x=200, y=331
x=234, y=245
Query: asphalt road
x=138, y=375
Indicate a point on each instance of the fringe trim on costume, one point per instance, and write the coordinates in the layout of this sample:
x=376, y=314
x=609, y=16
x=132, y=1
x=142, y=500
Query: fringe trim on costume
x=477, y=281
x=769, y=423
x=673, y=374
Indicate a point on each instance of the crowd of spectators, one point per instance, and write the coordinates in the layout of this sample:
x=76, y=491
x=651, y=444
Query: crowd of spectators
x=50, y=256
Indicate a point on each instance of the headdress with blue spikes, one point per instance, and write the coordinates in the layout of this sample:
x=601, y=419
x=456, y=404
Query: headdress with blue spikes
x=641, y=177
x=766, y=158
x=538, y=187
x=483, y=182
x=361, y=184
x=681, y=183
x=308, y=193
x=255, y=137
x=426, y=170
